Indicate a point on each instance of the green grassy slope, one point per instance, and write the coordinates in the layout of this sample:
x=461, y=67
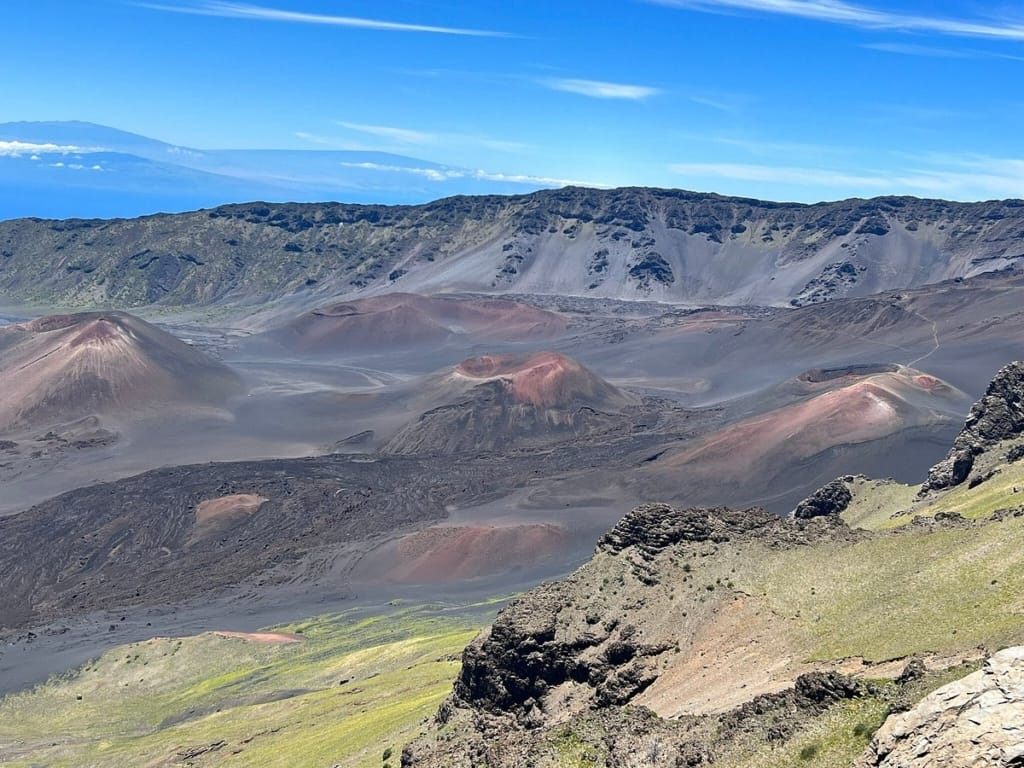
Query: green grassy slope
x=348, y=691
x=897, y=595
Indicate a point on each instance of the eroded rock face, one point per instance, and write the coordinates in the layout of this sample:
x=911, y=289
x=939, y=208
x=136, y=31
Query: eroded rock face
x=830, y=499
x=605, y=651
x=977, y=721
x=999, y=415
x=651, y=528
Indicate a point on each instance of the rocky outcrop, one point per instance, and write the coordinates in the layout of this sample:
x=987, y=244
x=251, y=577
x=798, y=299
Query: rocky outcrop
x=831, y=499
x=511, y=667
x=653, y=527
x=998, y=416
x=597, y=638
x=977, y=721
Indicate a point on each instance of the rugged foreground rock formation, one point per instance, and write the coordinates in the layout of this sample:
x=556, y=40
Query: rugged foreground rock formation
x=738, y=638
x=831, y=499
x=976, y=721
x=998, y=416
x=561, y=667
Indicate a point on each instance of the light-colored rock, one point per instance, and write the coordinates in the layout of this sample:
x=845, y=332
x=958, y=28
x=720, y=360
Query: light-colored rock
x=977, y=721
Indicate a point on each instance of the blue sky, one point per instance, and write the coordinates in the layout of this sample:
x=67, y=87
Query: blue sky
x=781, y=99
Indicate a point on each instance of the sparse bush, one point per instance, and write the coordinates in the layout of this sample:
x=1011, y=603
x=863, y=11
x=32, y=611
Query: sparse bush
x=809, y=752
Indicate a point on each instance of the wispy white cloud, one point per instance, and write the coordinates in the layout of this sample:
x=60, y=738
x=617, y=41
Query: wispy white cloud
x=392, y=133
x=778, y=174
x=410, y=137
x=448, y=174
x=911, y=49
x=260, y=13
x=967, y=177
x=19, y=148
x=499, y=145
x=851, y=14
x=719, y=104
x=313, y=138
x=598, y=89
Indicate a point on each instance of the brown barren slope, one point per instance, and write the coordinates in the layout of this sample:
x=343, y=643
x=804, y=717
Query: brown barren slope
x=842, y=409
x=405, y=319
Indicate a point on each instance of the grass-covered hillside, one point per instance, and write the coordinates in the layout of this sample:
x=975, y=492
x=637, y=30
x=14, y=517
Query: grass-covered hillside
x=334, y=690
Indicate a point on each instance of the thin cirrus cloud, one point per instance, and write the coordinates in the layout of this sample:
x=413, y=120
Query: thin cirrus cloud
x=599, y=89
x=964, y=178
x=850, y=14
x=777, y=174
x=392, y=133
x=231, y=10
x=447, y=174
x=413, y=137
x=911, y=49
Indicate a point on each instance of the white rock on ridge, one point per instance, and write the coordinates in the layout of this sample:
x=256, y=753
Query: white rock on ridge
x=976, y=722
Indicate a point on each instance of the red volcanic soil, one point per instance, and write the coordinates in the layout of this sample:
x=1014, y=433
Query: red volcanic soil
x=71, y=366
x=868, y=409
x=542, y=379
x=403, y=319
x=452, y=553
x=272, y=638
x=235, y=505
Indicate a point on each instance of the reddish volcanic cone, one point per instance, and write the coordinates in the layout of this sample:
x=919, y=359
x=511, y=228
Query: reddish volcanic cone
x=405, y=319
x=502, y=401
x=68, y=366
x=542, y=379
x=860, y=408
x=442, y=554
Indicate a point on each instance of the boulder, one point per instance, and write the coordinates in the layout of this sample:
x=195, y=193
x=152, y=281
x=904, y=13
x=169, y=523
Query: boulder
x=977, y=721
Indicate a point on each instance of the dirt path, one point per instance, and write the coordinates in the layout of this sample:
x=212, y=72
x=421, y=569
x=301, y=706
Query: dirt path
x=935, y=340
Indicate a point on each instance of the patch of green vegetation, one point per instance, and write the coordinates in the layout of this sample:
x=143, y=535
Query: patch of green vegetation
x=571, y=751
x=832, y=740
x=981, y=501
x=900, y=594
x=839, y=736
x=875, y=501
x=353, y=688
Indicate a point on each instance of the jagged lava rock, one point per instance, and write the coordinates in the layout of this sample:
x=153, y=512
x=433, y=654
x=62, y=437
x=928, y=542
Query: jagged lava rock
x=999, y=415
x=830, y=499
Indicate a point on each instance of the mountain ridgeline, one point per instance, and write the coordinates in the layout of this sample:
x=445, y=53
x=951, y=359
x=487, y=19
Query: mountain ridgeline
x=632, y=243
